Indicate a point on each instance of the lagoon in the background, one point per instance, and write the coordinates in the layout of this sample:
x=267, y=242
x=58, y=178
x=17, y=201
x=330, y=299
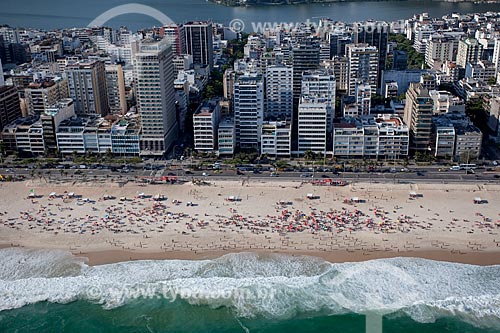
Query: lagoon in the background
x=65, y=14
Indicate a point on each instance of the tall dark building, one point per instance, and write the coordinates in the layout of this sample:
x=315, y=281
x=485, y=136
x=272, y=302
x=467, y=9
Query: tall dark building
x=305, y=57
x=199, y=42
x=400, y=60
x=10, y=109
x=338, y=41
x=374, y=34
x=13, y=52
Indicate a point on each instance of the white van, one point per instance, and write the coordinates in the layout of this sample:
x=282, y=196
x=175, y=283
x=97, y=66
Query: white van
x=455, y=168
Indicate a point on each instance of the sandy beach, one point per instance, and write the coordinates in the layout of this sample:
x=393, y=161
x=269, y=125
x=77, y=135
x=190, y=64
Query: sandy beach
x=110, y=222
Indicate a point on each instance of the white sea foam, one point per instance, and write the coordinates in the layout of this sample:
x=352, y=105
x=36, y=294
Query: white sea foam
x=275, y=286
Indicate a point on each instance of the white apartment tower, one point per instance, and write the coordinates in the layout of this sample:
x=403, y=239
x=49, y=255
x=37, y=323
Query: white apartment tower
x=312, y=124
x=439, y=49
x=363, y=98
x=205, y=127
x=321, y=84
x=276, y=138
x=156, y=97
x=279, y=92
x=362, y=65
x=469, y=51
x=496, y=54
x=174, y=34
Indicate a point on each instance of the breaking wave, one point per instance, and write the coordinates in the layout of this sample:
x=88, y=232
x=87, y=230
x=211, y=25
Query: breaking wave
x=253, y=285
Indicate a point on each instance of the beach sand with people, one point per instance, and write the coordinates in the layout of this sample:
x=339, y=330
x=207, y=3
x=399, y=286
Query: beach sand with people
x=111, y=222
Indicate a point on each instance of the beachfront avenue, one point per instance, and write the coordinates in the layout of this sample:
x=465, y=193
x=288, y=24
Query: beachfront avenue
x=139, y=173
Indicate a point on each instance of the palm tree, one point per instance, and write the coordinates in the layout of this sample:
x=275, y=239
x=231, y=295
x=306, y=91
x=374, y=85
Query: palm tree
x=309, y=155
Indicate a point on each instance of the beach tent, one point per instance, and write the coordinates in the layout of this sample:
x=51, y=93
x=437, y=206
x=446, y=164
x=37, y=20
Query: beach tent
x=52, y=195
x=141, y=195
x=413, y=194
x=158, y=197
x=71, y=194
x=355, y=199
x=478, y=200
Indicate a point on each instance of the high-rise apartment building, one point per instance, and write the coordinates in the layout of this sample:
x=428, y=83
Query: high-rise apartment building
x=175, y=36
x=440, y=49
x=10, y=109
x=248, y=110
x=305, y=57
x=156, y=97
x=115, y=86
x=312, y=124
x=362, y=66
x=2, y=80
x=340, y=71
x=363, y=98
x=42, y=94
x=418, y=117
x=321, y=83
x=469, y=51
x=199, y=42
x=374, y=34
x=87, y=87
x=279, y=92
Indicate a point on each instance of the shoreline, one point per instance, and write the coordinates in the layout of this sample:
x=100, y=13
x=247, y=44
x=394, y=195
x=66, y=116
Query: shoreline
x=104, y=257
x=472, y=258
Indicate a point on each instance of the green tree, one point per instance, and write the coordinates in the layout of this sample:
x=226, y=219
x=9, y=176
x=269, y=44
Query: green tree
x=415, y=59
x=309, y=155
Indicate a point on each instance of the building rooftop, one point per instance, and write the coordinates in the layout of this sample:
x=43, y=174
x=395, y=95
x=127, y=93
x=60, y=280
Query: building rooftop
x=379, y=120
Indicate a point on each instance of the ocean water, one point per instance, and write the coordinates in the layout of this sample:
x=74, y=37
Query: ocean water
x=52, y=291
